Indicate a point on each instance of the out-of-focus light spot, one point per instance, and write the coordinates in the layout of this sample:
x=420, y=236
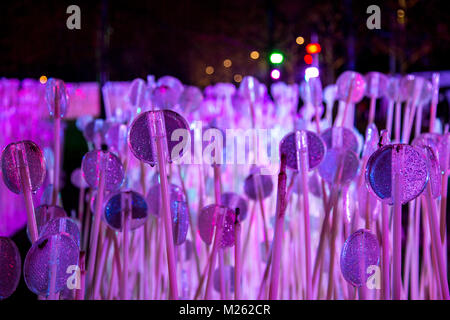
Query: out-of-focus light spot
x=276, y=57
x=400, y=13
x=300, y=40
x=43, y=79
x=313, y=48
x=308, y=59
x=237, y=78
x=138, y=110
x=275, y=74
x=254, y=55
x=311, y=72
x=209, y=70
x=227, y=63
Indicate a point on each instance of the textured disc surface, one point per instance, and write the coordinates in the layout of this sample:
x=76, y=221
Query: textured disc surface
x=33, y=158
x=10, y=267
x=65, y=226
x=316, y=150
x=154, y=197
x=345, y=159
x=344, y=82
x=115, y=210
x=360, y=251
x=91, y=166
x=140, y=137
x=413, y=172
x=50, y=254
x=55, y=89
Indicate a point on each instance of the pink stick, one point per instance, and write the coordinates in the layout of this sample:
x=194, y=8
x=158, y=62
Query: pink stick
x=303, y=159
x=167, y=220
x=436, y=243
x=397, y=250
x=57, y=147
x=434, y=100
x=126, y=206
x=26, y=188
x=79, y=293
x=279, y=227
x=398, y=115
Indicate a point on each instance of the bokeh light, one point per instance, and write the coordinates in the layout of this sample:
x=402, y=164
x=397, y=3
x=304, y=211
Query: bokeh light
x=254, y=55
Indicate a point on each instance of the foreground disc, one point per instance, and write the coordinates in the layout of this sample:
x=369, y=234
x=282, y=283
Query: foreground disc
x=251, y=184
x=360, y=251
x=344, y=159
x=315, y=145
x=208, y=218
x=413, y=172
x=65, y=226
x=50, y=254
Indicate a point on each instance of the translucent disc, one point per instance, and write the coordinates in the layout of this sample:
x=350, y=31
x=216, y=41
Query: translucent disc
x=344, y=89
x=360, y=251
x=77, y=179
x=10, y=267
x=140, y=137
x=251, y=183
x=154, y=197
x=413, y=172
x=343, y=159
x=65, y=226
x=91, y=166
x=116, y=207
x=290, y=147
x=233, y=200
x=209, y=217
x=50, y=255
x=376, y=84
x=33, y=159
x=45, y=213
x=55, y=92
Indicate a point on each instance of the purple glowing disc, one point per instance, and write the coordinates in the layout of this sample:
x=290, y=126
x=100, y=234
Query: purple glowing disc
x=50, y=254
x=141, y=135
x=411, y=84
x=82, y=121
x=345, y=160
x=340, y=137
x=291, y=146
x=393, y=90
x=191, y=99
x=45, y=213
x=117, y=205
x=229, y=278
x=65, y=226
x=173, y=83
x=434, y=171
x=360, y=251
x=154, y=197
x=178, y=209
x=95, y=130
x=413, y=172
x=253, y=180
x=55, y=92
x=345, y=89
x=10, y=267
x=77, y=179
x=233, y=200
x=376, y=84
x=249, y=88
x=12, y=161
x=209, y=217
x=91, y=166
x=311, y=91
